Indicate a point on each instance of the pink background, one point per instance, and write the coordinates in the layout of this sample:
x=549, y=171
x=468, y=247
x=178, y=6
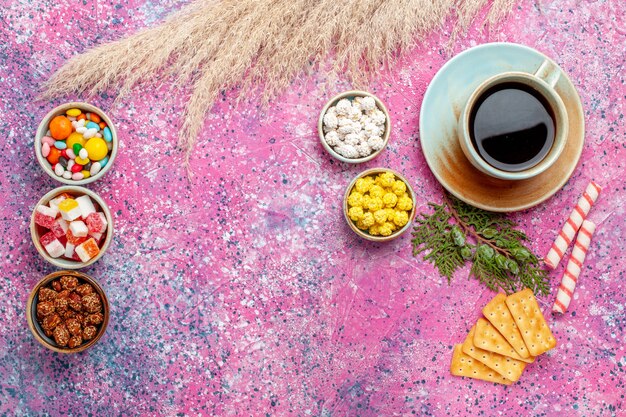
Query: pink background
x=244, y=292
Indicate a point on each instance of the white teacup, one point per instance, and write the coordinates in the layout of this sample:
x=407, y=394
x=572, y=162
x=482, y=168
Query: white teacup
x=542, y=82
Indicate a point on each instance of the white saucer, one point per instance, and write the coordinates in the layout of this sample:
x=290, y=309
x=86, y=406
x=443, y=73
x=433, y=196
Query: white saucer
x=444, y=99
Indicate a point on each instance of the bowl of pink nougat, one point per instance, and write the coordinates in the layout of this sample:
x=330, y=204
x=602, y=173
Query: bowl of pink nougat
x=71, y=227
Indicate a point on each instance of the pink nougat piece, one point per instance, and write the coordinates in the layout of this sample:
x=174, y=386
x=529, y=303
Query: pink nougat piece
x=96, y=222
x=45, y=216
x=87, y=250
x=59, y=228
x=52, y=245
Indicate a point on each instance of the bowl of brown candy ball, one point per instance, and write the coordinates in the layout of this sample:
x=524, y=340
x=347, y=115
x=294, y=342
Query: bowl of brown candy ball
x=67, y=311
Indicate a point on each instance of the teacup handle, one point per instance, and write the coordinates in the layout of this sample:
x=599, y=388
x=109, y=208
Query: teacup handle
x=548, y=72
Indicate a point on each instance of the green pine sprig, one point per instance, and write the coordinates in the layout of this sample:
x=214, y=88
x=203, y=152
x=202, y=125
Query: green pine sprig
x=455, y=233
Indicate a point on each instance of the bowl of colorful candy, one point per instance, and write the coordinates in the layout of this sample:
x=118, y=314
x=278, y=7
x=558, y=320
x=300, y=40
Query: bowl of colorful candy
x=379, y=204
x=71, y=227
x=67, y=311
x=76, y=143
x=354, y=126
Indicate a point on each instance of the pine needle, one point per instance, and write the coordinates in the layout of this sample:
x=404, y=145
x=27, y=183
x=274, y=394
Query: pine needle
x=217, y=45
x=456, y=233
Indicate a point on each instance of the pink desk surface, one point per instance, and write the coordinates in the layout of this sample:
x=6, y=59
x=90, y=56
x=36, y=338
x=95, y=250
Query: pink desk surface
x=245, y=293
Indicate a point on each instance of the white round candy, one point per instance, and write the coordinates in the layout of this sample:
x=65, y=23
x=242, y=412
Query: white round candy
x=95, y=168
x=89, y=133
x=371, y=129
x=376, y=142
x=83, y=153
x=377, y=117
x=352, y=139
x=67, y=175
x=368, y=103
x=348, y=151
x=343, y=106
x=330, y=121
x=332, y=138
x=59, y=170
x=364, y=150
x=347, y=129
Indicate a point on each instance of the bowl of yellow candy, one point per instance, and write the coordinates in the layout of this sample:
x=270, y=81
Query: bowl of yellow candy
x=379, y=204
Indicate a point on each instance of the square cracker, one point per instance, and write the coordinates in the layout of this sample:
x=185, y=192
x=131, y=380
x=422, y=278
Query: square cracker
x=464, y=365
x=530, y=321
x=509, y=368
x=500, y=317
x=488, y=338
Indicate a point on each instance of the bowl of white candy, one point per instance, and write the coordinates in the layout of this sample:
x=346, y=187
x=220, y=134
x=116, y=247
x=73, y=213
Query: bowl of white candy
x=354, y=126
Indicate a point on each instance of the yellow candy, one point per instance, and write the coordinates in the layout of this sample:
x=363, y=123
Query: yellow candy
x=96, y=148
x=380, y=216
x=363, y=185
x=400, y=218
x=73, y=112
x=399, y=188
x=355, y=213
x=81, y=161
x=374, y=230
x=377, y=191
x=385, y=230
x=368, y=219
x=390, y=200
x=86, y=174
x=68, y=204
x=375, y=203
x=387, y=179
x=391, y=225
x=75, y=138
x=404, y=203
x=355, y=199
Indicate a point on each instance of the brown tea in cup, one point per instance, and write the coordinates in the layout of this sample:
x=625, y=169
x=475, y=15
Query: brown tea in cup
x=512, y=126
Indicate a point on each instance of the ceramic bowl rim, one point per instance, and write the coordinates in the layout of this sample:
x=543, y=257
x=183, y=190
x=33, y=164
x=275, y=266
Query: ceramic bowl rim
x=360, y=232
x=351, y=94
x=43, y=128
x=71, y=189
x=35, y=327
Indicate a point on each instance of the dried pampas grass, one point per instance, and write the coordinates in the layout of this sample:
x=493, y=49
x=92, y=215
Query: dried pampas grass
x=221, y=44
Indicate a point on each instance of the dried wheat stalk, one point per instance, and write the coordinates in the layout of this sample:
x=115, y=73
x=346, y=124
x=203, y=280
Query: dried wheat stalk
x=221, y=44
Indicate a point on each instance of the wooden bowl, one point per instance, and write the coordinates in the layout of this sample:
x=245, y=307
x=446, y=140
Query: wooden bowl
x=364, y=234
x=36, y=230
x=35, y=327
x=350, y=95
x=60, y=111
